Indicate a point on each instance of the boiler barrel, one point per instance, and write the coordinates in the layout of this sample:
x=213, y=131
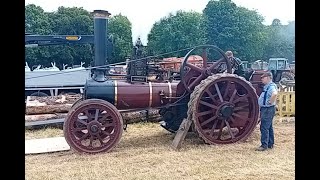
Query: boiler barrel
x=130, y=96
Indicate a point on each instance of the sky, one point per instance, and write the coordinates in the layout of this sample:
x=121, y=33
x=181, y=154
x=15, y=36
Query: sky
x=144, y=13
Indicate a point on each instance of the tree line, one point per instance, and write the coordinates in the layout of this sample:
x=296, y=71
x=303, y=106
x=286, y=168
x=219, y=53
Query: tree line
x=222, y=23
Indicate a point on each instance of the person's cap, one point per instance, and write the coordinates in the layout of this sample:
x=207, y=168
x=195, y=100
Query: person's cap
x=266, y=74
x=229, y=53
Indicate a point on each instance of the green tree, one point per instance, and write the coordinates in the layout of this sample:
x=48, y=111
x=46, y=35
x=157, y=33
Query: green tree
x=71, y=21
x=280, y=41
x=176, y=32
x=120, y=32
x=36, y=22
x=235, y=28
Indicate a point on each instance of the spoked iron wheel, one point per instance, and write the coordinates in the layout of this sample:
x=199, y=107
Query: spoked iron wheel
x=93, y=126
x=191, y=74
x=224, y=109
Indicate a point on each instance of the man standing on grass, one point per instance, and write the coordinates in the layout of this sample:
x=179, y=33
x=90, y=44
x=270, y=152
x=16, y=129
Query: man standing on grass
x=267, y=103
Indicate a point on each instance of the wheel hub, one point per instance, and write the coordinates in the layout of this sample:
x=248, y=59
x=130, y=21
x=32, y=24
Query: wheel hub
x=94, y=128
x=226, y=111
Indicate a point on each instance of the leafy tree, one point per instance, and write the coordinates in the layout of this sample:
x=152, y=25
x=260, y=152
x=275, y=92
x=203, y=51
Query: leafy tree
x=176, y=32
x=281, y=40
x=235, y=28
x=36, y=22
x=120, y=31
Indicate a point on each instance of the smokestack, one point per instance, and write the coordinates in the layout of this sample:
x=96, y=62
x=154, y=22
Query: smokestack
x=100, y=42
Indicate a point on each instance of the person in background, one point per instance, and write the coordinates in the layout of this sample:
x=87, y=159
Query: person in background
x=267, y=103
x=236, y=64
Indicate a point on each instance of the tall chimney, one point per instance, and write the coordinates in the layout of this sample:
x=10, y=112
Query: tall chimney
x=100, y=43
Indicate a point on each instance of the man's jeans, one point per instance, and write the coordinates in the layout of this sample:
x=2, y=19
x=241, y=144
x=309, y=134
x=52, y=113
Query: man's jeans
x=266, y=129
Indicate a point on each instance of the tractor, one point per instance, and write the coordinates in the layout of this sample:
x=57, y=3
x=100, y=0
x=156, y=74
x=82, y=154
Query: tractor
x=280, y=69
x=221, y=107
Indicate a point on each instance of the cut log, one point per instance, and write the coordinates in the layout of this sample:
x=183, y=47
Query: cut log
x=50, y=105
x=39, y=117
x=49, y=100
x=59, y=108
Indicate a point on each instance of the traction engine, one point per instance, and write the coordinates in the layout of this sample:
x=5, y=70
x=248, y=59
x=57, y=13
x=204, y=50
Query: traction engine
x=222, y=106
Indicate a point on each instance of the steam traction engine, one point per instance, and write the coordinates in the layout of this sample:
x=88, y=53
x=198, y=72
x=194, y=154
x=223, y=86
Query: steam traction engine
x=222, y=106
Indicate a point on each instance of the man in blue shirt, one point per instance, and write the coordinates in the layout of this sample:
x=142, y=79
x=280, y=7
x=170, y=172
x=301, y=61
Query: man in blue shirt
x=267, y=102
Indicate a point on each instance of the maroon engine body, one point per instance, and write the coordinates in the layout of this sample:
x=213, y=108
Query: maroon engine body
x=125, y=95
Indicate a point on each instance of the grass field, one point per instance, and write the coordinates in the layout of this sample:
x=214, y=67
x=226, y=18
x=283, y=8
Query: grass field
x=144, y=153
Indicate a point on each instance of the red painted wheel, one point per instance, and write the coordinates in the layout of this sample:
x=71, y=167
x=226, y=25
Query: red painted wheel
x=93, y=126
x=191, y=75
x=224, y=109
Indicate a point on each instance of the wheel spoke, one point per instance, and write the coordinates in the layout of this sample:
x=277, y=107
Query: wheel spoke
x=210, y=94
x=229, y=128
x=233, y=95
x=100, y=139
x=241, y=98
x=80, y=129
x=209, y=105
x=219, y=93
x=82, y=121
x=220, y=131
x=91, y=141
x=108, y=125
x=204, y=113
x=226, y=90
x=96, y=115
x=103, y=117
x=84, y=136
x=214, y=65
x=232, y=119
x=195, y=82
x=86, y=112
x=241, y=107
x=208, y=120
x=106, y=133
x=193, y=67
x=239, y=116
x=213, y=127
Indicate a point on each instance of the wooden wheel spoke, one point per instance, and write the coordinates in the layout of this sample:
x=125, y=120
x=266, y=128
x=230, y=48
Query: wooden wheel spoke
x=233, y=95
x=226, y=90
x=91, y=140
x=241, y=107
x=84, y=136
x=209, y=105
x=229, y=129
x=220, y=131
x=210, y=94
x=240, y=116
x=213, y=127
x=82, y=121
x=96, y=115
x=193, y=67
x=218, y=91
x=241, y=98
x=80, y=129
x=208, y=120
x=100, y=139
x=195, y=82
x=108, y=125
x=106, y=133
x=204, y=113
